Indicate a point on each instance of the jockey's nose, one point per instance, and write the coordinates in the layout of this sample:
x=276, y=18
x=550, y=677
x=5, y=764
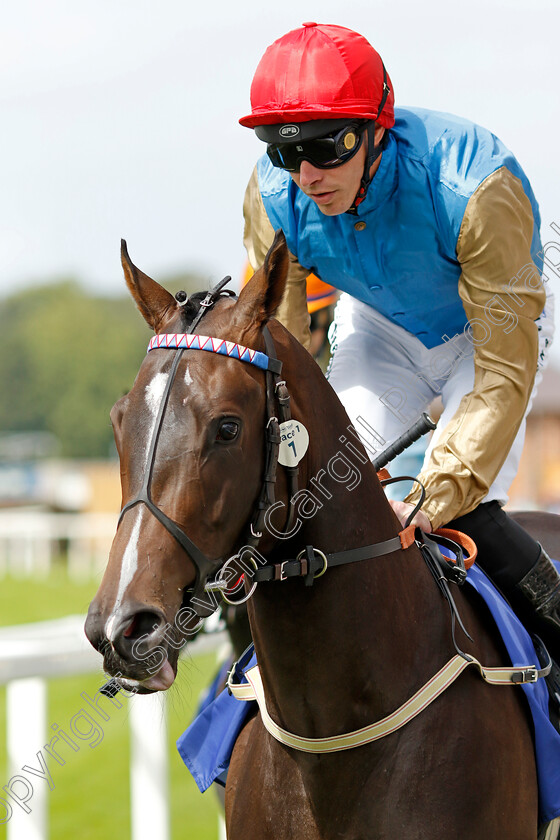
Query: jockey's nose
x=309, y=174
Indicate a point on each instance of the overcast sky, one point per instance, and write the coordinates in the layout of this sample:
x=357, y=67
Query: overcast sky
x=120, y=117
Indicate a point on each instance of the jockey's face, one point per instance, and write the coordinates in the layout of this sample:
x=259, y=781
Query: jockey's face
x=334, y=190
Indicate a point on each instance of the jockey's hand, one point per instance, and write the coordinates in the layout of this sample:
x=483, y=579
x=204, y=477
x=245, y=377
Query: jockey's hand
x=403, y=511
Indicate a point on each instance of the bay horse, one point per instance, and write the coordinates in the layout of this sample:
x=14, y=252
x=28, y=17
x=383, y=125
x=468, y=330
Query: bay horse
x=194, y=440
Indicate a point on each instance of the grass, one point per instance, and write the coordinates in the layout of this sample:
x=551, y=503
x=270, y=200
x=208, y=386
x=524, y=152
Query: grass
x=91, y=795
x=23, y=599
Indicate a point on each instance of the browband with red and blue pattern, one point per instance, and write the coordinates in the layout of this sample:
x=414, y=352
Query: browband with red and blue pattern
x=186, y=341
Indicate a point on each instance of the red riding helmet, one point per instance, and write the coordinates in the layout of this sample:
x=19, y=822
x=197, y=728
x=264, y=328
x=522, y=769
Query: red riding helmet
x=320, y=72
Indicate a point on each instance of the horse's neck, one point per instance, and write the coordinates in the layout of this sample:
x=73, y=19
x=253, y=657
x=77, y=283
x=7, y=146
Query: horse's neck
x=357, y=626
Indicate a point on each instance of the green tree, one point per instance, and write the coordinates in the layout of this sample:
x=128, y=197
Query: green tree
x=66, y=357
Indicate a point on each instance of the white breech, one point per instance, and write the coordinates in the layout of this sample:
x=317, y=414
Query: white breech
x=385, y=378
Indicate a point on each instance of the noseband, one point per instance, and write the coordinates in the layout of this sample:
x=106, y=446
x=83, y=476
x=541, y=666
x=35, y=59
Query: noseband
x=277, y=397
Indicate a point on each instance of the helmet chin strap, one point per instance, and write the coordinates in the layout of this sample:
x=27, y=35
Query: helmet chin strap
x=373, y=151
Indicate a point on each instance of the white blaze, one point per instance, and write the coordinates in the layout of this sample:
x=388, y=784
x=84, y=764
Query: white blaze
x=154, y=394
x=129, y=565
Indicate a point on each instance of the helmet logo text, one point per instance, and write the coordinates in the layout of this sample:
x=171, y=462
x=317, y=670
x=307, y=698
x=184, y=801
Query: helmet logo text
x=289, y=131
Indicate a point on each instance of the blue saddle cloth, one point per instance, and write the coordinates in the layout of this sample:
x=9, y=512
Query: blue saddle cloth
x=207, y=744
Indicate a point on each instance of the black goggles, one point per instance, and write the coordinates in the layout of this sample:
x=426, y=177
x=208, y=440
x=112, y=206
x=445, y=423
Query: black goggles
x=323, y=152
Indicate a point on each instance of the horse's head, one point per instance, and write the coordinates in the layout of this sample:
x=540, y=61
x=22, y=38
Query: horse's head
x=190, y=442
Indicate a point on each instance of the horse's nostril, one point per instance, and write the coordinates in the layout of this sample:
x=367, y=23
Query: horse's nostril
x=142, y=624
x=137, y=635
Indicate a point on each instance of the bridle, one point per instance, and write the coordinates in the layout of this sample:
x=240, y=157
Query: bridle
x=278, y=411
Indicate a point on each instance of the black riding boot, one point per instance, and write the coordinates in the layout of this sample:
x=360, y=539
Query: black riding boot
x=541, y=588
x=519, y=567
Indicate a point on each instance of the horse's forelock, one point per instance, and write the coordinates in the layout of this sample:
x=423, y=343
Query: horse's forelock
x=191, y=308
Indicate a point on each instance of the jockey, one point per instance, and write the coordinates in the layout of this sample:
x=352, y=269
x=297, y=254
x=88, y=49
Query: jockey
x=428, y=225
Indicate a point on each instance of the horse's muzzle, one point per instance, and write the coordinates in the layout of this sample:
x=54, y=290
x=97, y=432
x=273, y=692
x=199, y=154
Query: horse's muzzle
x=136, y=645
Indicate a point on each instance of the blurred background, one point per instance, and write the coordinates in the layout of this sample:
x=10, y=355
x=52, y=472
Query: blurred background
x=120, y=120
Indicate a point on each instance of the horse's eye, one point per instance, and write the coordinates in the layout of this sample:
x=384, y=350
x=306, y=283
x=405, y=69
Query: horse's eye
x=227, y=431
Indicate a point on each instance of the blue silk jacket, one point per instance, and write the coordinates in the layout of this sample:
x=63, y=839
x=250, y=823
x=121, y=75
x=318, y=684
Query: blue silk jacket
x=447, y=237
x=399, y=254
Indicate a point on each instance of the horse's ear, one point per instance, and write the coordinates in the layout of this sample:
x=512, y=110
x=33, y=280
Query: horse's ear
x=152, y=300
x=263, y=293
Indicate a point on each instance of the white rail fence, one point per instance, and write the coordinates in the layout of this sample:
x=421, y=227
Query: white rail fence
x=31, y=541
x=29, y=654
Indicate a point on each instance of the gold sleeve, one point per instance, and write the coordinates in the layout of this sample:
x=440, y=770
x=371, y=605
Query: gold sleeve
x=257, y=238
x=503, y=295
